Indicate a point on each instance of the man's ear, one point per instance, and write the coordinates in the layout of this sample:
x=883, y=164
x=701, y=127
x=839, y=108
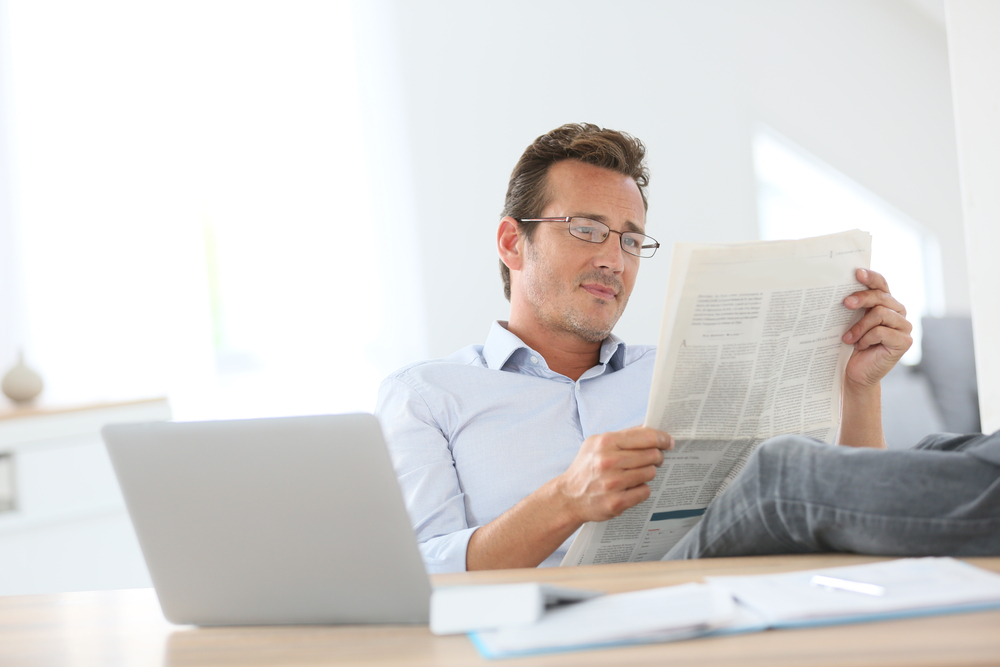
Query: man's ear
x=509, y=243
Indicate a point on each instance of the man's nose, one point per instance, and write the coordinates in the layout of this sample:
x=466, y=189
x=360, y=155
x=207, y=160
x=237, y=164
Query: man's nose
x=610, y=254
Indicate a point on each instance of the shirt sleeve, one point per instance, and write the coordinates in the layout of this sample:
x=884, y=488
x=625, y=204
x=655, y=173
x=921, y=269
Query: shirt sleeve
x=425, y=467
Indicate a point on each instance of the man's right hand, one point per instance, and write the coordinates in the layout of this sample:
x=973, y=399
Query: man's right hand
x=611, y=471
x=608, y=476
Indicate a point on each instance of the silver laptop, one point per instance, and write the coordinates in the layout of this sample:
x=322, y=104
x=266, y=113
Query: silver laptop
x=271, y=521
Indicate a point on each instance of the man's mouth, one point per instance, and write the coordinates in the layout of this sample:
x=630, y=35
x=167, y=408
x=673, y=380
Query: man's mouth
x=600, y=291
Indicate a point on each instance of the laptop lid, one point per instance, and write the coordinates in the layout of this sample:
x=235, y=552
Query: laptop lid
x=271, y=521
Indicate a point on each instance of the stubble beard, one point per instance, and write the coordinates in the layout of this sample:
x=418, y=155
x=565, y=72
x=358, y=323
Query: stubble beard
x=572, y=320
x=575, y=325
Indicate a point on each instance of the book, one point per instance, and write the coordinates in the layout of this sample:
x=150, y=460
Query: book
x=728, y=605
x=461, y=609
x=659, y=614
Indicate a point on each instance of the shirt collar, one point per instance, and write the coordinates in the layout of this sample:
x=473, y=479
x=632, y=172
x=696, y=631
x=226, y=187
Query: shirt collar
x=613, y=352
x=501, y=344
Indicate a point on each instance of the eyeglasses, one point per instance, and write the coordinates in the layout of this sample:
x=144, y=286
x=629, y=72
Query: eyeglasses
x=594, y=231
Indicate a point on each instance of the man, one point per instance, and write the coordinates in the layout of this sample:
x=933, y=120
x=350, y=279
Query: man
x=504, y=450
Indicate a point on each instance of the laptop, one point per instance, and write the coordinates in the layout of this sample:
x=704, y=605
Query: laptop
x=292, y=520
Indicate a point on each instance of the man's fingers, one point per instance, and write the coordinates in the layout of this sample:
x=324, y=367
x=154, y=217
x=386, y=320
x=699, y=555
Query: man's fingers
x=611, y=472
x=627, y=489
x=635, y=495
x=879, y=316
x=872, y=298
x=620, y=502
x=640, y=437
x=877, y=293
x=636, y=476
x=638, y=458
x=872, y=279
x=883, y=310
x=611, y=488
x=894, y=340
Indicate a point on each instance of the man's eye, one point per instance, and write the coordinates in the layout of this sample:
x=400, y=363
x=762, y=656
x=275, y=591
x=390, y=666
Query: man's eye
x=630, y=242
x=583, y=231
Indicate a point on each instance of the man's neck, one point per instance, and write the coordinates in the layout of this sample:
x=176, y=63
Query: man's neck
x=565, y=353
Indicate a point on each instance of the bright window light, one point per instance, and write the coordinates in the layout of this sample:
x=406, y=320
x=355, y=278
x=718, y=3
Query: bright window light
x=194, y=205
x=799, y=196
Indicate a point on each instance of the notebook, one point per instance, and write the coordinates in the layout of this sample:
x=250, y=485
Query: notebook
x=293, y=520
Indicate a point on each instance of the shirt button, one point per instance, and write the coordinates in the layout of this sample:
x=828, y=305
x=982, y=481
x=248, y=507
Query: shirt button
x=534, y=360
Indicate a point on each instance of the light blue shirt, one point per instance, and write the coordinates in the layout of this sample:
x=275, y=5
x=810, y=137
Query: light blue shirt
x=474, y=433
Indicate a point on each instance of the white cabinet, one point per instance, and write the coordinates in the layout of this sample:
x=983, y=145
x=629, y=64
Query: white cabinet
x=68, y=529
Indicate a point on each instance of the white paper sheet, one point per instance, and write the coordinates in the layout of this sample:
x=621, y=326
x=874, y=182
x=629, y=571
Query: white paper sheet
x=911, y=585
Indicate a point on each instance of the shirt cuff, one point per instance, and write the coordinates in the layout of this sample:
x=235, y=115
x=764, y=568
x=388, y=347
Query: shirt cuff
x=447, y=553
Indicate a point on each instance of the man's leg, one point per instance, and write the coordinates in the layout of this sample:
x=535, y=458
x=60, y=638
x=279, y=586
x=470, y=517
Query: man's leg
x=797, y=495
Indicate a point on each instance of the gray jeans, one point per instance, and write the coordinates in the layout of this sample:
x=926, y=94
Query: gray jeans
x=797, y=495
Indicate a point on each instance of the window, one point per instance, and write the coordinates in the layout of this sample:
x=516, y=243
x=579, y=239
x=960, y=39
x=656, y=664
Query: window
x=194, y=205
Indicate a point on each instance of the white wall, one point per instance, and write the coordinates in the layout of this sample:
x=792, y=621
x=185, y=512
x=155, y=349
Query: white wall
x=11, y=306
x=864, y=85
x=193, y=221
x=455, y=91
x=973, y=26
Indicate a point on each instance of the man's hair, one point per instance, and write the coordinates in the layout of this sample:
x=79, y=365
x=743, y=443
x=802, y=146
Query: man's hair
x=528, y=193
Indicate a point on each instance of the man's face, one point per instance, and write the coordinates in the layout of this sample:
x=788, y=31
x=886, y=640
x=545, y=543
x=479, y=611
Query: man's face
x=572, y=286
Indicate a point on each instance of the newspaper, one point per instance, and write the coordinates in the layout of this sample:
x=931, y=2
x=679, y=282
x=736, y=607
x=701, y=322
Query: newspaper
x=750, y=348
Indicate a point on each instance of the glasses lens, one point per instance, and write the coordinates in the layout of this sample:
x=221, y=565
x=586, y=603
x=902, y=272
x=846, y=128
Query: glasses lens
x=639, y=245
x=588, y=230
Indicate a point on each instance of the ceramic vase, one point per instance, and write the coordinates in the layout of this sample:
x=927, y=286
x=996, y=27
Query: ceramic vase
x=21, y=383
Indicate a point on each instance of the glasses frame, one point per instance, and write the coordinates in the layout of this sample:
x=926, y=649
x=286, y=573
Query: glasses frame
x=621, y=235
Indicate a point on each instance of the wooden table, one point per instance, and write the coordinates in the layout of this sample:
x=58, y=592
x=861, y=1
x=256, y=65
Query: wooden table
x=126, y=628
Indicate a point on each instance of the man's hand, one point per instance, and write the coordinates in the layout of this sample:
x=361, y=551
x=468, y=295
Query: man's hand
x=880, y=337
x=608, y=476
x=610, y=472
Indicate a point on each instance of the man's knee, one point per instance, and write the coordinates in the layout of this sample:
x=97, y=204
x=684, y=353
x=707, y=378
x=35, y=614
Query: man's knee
x=782, y=459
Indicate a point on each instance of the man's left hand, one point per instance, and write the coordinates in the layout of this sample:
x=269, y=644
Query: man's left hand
x=881, y=336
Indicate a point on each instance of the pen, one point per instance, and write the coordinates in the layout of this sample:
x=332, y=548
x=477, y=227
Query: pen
x=833, y=583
